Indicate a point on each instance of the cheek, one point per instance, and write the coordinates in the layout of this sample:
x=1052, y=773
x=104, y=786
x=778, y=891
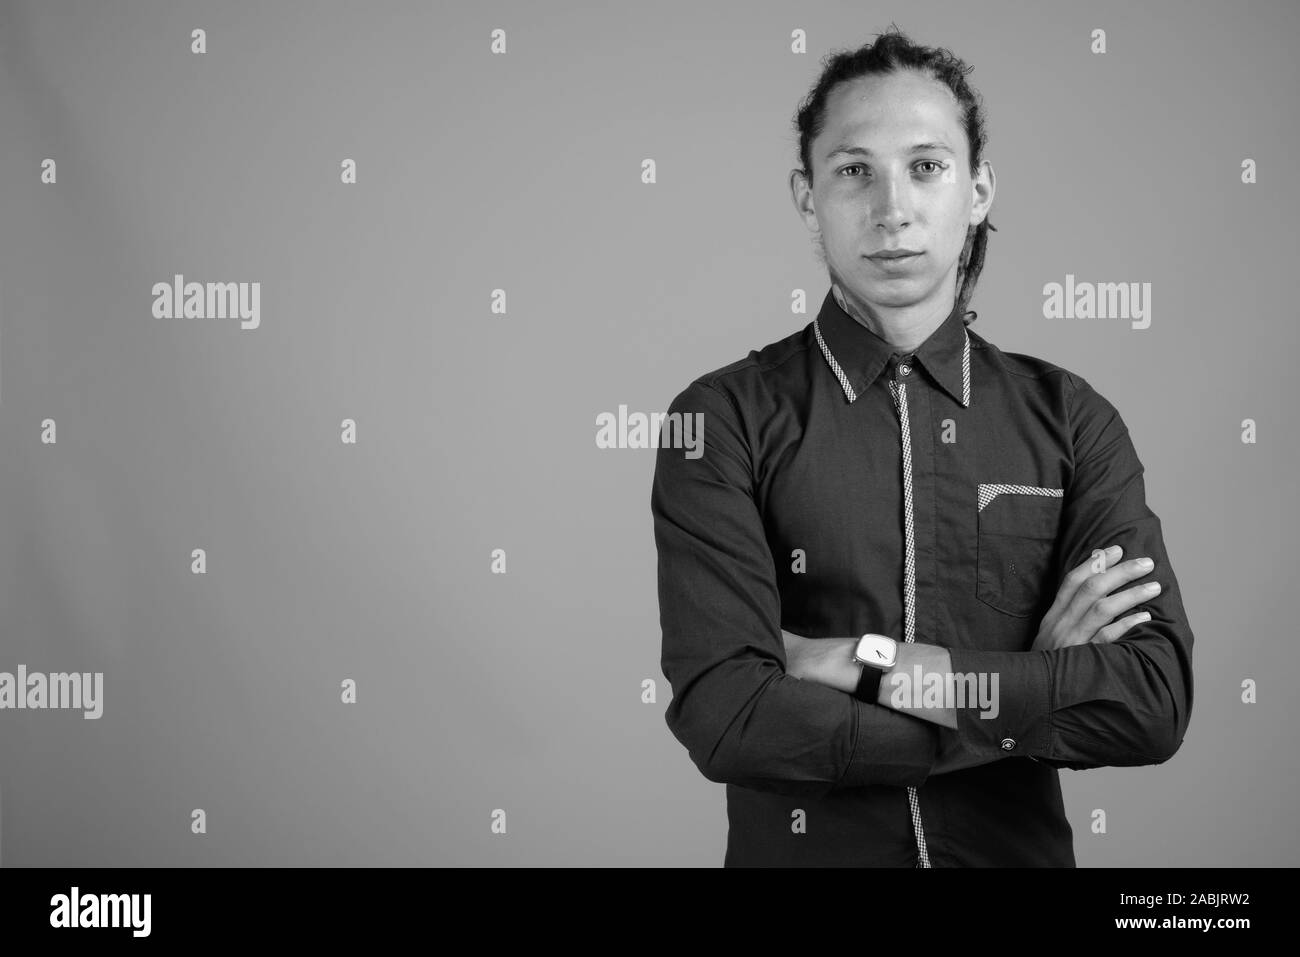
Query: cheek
x=956, y=214
x=839, y=232
x=954, y=225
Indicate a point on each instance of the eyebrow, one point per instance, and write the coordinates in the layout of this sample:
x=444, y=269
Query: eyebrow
x=850, y=149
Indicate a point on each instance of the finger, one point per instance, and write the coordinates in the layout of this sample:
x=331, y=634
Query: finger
x=1097, y=561
x=1109, y=608
x=1123, y=572
x=1117, y=629
x=1103, y=558
x=1100, y=560
x=1097, y=587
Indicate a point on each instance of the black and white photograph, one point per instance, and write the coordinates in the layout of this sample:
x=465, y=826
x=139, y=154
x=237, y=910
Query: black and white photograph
x=598, y=438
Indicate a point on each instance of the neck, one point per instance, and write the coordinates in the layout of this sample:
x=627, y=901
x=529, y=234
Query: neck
x=904, y=327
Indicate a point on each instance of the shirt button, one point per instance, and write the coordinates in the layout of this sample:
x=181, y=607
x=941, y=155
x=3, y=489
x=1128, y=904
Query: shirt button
x=905, y=368
x=1008, y=744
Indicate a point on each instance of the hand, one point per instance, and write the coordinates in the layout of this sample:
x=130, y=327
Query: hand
x=826, y=661
x=1084, y=608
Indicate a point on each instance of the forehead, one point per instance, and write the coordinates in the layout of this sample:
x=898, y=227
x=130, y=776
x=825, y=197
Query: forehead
x=891, y=112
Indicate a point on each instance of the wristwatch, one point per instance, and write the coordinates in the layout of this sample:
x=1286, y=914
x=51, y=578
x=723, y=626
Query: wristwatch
x=877, y=654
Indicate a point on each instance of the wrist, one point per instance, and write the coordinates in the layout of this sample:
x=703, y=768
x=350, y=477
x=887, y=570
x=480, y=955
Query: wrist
x=836, y=666
x=868, y=686
x=874, y=654
x=911, y=684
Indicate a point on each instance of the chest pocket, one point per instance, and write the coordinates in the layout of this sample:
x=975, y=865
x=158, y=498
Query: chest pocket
x=1018, y=525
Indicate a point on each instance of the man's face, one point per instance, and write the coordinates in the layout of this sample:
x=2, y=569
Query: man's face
x=878, y=186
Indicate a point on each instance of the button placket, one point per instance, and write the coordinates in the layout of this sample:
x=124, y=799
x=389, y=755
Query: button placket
x=899, y=394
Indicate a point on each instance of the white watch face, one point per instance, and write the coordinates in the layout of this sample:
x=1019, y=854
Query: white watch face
x=878, y=651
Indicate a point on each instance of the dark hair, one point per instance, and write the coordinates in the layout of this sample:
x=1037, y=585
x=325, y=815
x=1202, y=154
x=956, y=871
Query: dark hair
x=893, y=51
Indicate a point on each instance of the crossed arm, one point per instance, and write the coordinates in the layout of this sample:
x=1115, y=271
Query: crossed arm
x=1084, y=610
x=1091, y=692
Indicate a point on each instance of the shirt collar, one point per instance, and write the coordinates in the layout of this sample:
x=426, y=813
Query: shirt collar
x=856, y=355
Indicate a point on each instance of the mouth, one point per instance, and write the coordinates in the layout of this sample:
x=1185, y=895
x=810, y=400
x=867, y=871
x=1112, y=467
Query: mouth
x=895, y=258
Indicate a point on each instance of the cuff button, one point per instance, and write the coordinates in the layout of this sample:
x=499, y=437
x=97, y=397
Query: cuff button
x=1008, y=744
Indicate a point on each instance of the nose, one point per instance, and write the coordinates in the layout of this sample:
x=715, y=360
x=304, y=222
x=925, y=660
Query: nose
x=892, y=209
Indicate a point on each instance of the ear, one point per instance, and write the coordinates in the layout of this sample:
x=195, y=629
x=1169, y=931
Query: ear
x=801, y=195
x=983, y=185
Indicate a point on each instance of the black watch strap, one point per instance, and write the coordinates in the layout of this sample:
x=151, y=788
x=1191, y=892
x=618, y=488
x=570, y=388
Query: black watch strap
x=869, y=684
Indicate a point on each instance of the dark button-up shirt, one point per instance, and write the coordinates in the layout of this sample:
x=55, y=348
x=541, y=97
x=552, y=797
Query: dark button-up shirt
x=939, y=496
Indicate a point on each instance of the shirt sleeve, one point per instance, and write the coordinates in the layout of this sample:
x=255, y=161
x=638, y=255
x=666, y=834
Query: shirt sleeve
x=742, y=719
x=1121, y=703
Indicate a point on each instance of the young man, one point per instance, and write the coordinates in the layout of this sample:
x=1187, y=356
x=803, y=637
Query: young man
x=911, y=576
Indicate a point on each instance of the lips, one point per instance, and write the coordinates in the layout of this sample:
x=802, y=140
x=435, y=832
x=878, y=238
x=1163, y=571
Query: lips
x=895, y=262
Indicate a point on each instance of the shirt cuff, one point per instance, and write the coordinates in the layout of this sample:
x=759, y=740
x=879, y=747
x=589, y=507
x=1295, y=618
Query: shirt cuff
x=890, y=748
x=1017, y=721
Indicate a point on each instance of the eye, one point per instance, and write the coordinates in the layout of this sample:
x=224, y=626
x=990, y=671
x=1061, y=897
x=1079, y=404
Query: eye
x=938, y=167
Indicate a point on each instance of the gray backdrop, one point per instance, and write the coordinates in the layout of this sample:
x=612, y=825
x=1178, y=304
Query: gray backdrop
x=521, y=171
